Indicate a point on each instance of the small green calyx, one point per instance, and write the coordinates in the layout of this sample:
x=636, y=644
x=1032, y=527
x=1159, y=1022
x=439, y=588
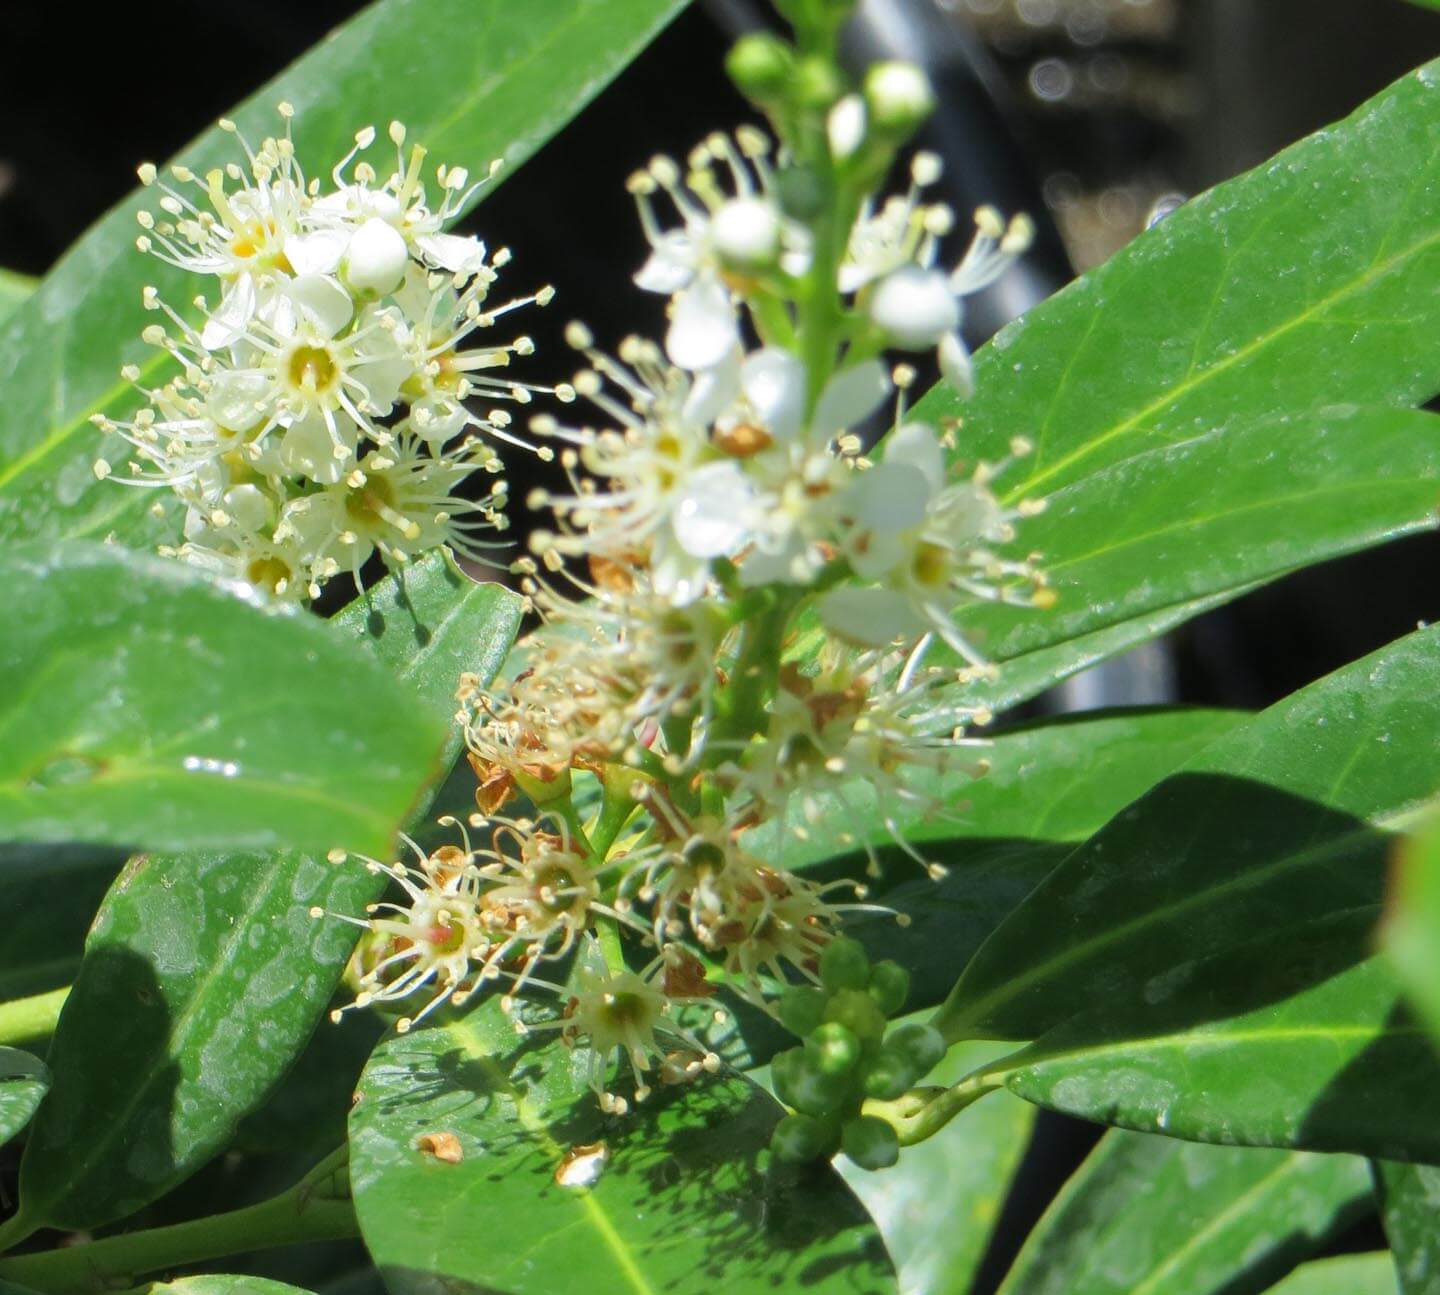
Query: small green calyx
x=844, y=964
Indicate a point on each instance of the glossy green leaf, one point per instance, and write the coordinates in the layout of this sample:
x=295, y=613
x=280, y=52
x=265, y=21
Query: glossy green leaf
x=1298, y=291
x=1219, y=511
x=1411, y=931
x=14, y=289
x=937, y=1208
x=1409, y=1206
x=145, y=704
x=473, y=79
x=1372, y=1274
x=1334, y=1064
x=206, y=971
x=1281, y=823
x=687, y=1198
x=23, y=1081
x=43, y=952
x=1152, y=1216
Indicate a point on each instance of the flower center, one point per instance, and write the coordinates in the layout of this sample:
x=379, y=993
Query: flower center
x=268, y=573
x=313, y=368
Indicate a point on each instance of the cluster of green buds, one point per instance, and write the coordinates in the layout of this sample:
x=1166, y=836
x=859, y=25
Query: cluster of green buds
x=850, y=1054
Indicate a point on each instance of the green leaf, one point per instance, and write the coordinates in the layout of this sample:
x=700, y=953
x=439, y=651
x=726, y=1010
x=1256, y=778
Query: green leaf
x=473, y=79
x=1281, y=823
x=14, y=288
x=206, y=973
x=218, y=1284
x=1298, y=291
x=1151, y=1216
x=1372, y=1274
x=1336, y=1064
x=937, y=1208
x=1409, y=1205
x=685, y=1201
x=1220, y=511
x=144, y=705
x=1411, y=931
x=23, y=1081
x=43, y=951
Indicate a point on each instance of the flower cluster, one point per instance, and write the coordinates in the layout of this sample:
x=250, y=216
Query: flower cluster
x=318, y=409
x=750, y=623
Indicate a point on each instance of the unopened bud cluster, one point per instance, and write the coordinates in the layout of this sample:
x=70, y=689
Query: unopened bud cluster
x=849, y=1054
x=316, y=410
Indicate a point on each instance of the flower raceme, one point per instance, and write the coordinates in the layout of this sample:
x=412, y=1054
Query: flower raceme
x=320, y=410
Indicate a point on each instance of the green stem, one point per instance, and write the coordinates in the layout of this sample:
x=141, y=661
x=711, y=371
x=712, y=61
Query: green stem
x=608, y=933
x=315, y=1209
x=740, y=708
x=923, y=1112
x=29, y=1020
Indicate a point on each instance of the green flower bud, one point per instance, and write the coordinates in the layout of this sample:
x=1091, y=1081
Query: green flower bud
x=802, y=193
x=889, y=986
x=761, y=66
x=817, y=84
x=889, y=1074
x=799, y=1139
x=924, y=1045
x=802, y=1008
x=844, y=964
x=782, y=1074
x=815, y=1092
x=833, y=1049
x=857, y=1012
x=898, y=96
x=870, y=1143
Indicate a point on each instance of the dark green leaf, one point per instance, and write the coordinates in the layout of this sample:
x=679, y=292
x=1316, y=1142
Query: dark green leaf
x=23, y=1081
x=473, y=79
x=1411, y=931
x=1152, y=1216
x=686, y=1200
x=43, y=951
x=1336, y=1065
x=937, y=1209
x=1274, y=826
x=1349, y=1275
x=14, y=288
x=145, y=704
x=205, y=971
x=1298, y=291
x=1409, y=1205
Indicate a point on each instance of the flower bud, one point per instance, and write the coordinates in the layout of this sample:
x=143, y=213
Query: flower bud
x=812, y=1090
x=888, y=1074
x=375, y=259
x=802, y=193
x=914, y=307
x=799, y=1139
x=899, y=97
x=856, y=1011
x=870, y=1143
x=747, y=233
x=802, y=1008
x=844, y=964
x=889, y=986
x=760, y=65
x=817, y=83
x=923, y=1045
x=833, y=1049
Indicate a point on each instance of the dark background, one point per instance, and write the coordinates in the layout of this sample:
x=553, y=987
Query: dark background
x=1085, y=112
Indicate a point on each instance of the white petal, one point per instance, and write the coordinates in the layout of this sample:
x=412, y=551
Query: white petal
x=955, y=364
x=746, y=232
x=677, y=576
x=965, y=511
x=317, y=253
x=671, y=266
x=712, y=392
x=376, y=258
x=846, y=125
x=850, y=397
x=307, y=449
x=323, y=301
x=250, y=506
x=703, y=330
x=917, y=445
x=890, y=497
x=236, y=400
x=452, y=252
x=793, y=563
x=774, y=383
x=915, y=307
x=237, y=309
x=712, y=514
x=872, y=617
